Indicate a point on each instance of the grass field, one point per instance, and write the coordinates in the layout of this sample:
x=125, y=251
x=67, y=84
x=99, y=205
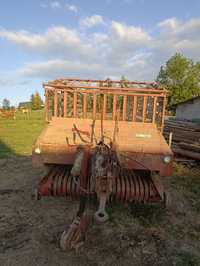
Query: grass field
x=17, y=136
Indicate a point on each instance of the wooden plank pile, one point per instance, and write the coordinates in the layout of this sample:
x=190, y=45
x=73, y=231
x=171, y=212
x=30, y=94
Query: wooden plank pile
x=185, y=138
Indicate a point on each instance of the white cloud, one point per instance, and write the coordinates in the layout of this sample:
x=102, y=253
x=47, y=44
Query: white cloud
x=92, y=21
x=140, y=58
x=71, y=8
x=129, y=34
x=58, y=67
x=178, y=36
x=118, y=49
x=7, y=81
x=169, y=25
x=55, y=5
x=56, y=41
x=124, y=42
x=179, y=28
x=59, y=5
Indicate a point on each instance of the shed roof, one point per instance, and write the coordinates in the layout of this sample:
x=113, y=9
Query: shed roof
x=187, y=101
x=24, y=104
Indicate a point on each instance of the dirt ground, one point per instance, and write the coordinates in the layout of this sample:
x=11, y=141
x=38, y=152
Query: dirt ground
x=144, y=235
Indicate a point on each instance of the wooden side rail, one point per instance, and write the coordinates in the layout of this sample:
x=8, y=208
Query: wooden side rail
x=149, y=106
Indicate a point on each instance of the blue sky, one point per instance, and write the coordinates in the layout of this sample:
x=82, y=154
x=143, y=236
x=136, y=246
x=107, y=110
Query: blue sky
x=42, y=39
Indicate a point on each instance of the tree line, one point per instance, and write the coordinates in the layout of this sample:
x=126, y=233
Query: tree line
x=181, y=77
x=35, y=103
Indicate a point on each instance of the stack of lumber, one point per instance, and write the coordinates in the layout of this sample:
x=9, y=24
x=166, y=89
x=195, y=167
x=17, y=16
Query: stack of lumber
x=185, y=138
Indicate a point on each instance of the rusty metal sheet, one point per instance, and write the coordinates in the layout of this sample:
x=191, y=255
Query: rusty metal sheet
x=141, y=141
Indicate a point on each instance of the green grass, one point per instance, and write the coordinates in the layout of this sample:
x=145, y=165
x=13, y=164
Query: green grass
x=17, y=136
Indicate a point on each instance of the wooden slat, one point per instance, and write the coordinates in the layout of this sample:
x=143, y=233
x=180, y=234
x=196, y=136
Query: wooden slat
x=102, y=89
x=134, y=107
x=163, y=113
x=84, y=105
x=55, y=103
x=46, y=105
x=75, y=105
x=65, y=104
x=114, y=106
x=124, y=107
x=154, y=109
x=144, y=109
x=113, y=92
x=104, y=105
x=94, y=105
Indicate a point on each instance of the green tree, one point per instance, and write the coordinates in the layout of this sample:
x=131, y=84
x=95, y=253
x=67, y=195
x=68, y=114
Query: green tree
x=6, y=104
x=36, y=101
x=181, y=76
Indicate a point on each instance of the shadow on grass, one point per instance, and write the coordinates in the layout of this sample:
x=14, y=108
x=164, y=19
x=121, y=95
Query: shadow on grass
x=148, y=214
x=145, y=213
x=6, y=151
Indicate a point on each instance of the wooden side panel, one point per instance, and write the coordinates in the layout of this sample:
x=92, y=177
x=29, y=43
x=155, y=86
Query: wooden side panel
x=137, y=105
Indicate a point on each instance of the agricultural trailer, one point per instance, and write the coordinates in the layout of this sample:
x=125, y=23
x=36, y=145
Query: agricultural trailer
x=103, y=141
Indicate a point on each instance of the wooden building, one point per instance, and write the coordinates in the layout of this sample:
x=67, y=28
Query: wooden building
x=189, y=109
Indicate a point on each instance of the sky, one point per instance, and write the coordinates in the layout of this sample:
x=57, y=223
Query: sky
x=43, y=40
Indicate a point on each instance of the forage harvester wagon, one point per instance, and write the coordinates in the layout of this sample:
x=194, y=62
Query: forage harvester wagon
x=103, y=140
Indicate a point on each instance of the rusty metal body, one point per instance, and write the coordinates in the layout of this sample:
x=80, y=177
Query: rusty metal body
x=103, y=139
x=128, y=186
